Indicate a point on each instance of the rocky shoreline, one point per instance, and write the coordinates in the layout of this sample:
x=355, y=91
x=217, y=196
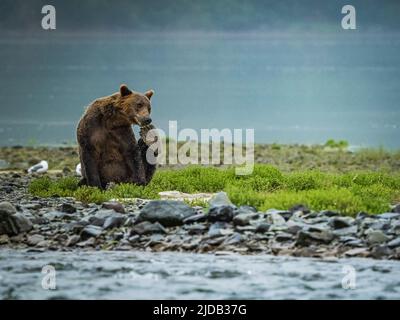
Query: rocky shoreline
x=63, y=224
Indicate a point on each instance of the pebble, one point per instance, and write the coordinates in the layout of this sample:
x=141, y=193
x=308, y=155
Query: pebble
x=114, y=205
x=147, y=227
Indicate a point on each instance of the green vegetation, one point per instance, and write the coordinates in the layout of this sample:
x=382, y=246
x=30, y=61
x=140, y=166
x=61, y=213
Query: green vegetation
x=341, y=144
x=267, y=187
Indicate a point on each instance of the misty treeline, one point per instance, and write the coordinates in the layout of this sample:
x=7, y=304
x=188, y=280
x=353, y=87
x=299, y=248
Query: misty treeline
x=202, y=15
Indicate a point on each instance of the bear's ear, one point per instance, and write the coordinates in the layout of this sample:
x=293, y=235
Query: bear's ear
x=149, y=94
x=124, y=90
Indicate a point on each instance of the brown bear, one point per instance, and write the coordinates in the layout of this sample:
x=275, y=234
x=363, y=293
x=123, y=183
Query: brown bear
x=108, y=149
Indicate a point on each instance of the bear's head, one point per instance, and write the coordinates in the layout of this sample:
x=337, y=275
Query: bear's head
x=135, y=106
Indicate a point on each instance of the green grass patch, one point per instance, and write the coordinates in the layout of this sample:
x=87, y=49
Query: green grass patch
x=267, y=187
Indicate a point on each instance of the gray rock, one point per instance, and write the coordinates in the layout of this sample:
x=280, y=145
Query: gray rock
x=114, y=205
x=376, y=237
x=346, y=231
x=219, y=229
x=305, y=238
x=394, y=243
x=12, y=223
x=73, y=240
x=396, y=208
x=23, y=223
x=199, y=217
x=262, y=227
x=299, y=207
x=100, y=217
x=283, y=237
x=146, y=227
x=221, y=208
x=340, y=222
x=67, y=208
x=6, y=208
x=33, y=240
x=243, y=219
x=91, y=231
x=133, y=239
x=274, y=217
x=233, y=239
x=381, y=251
x=389, y=215
x=220, y=199
x=357, y=252
x=245, y=228
x=114, y=221
x=196, y=228
x=246, y=209
x=54, y=215
x=221, y=213
x=328, y=213
x=167, y=212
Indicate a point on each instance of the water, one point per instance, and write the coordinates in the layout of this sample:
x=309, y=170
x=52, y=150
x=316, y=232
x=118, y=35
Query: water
x=291, y=88
x=144, y=275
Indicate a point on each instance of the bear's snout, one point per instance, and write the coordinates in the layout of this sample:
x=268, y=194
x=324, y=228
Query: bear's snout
x=144, y=121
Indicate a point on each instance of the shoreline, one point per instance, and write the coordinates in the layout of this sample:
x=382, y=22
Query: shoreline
x=64, y=224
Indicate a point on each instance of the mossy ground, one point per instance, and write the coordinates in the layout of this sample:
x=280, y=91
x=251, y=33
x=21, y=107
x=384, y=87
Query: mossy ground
x=268, y=187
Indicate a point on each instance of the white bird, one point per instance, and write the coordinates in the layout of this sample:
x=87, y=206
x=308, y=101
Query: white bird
x=78, y=169
x=40, y=167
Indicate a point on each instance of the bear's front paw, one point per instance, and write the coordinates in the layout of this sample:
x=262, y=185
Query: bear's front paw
x=149, y=134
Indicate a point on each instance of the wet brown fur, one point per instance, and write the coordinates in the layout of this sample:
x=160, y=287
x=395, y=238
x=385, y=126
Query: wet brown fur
x=108, y=148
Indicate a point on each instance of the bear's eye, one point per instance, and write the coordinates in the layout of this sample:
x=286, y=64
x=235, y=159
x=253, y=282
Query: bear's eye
x=139, y=105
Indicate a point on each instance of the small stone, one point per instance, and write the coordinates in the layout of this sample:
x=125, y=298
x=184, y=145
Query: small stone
x=394, y=243
x=299, y=207
x=381, y=251
x=114, y=205
x=357, y=252
x=283, y=237
x=221, y=208
x=196, y=228
x=233, y=239
x=91, y=231
x=133, y=239
x=376, y=237
x=87, y=243
x=243, y=219
x=199, y=217
x=396, y=208
x=305, y=238
x=340, y=222
x=33, y=240
x=328, y=213
x=67, y=208
x=262, y=227
x=274, y=217
x=147, y=227
x=54, y=215
x=389, y=215
x=23, y=223
x=346, y=231
x=100, y=217
x=221, y=213
x=114, y=222
x=216, y=229
x=4, y=239
x=72, y=240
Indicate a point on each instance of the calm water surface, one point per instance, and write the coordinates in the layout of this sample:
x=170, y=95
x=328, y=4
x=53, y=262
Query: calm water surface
x=291, y=88
x=143, y=275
